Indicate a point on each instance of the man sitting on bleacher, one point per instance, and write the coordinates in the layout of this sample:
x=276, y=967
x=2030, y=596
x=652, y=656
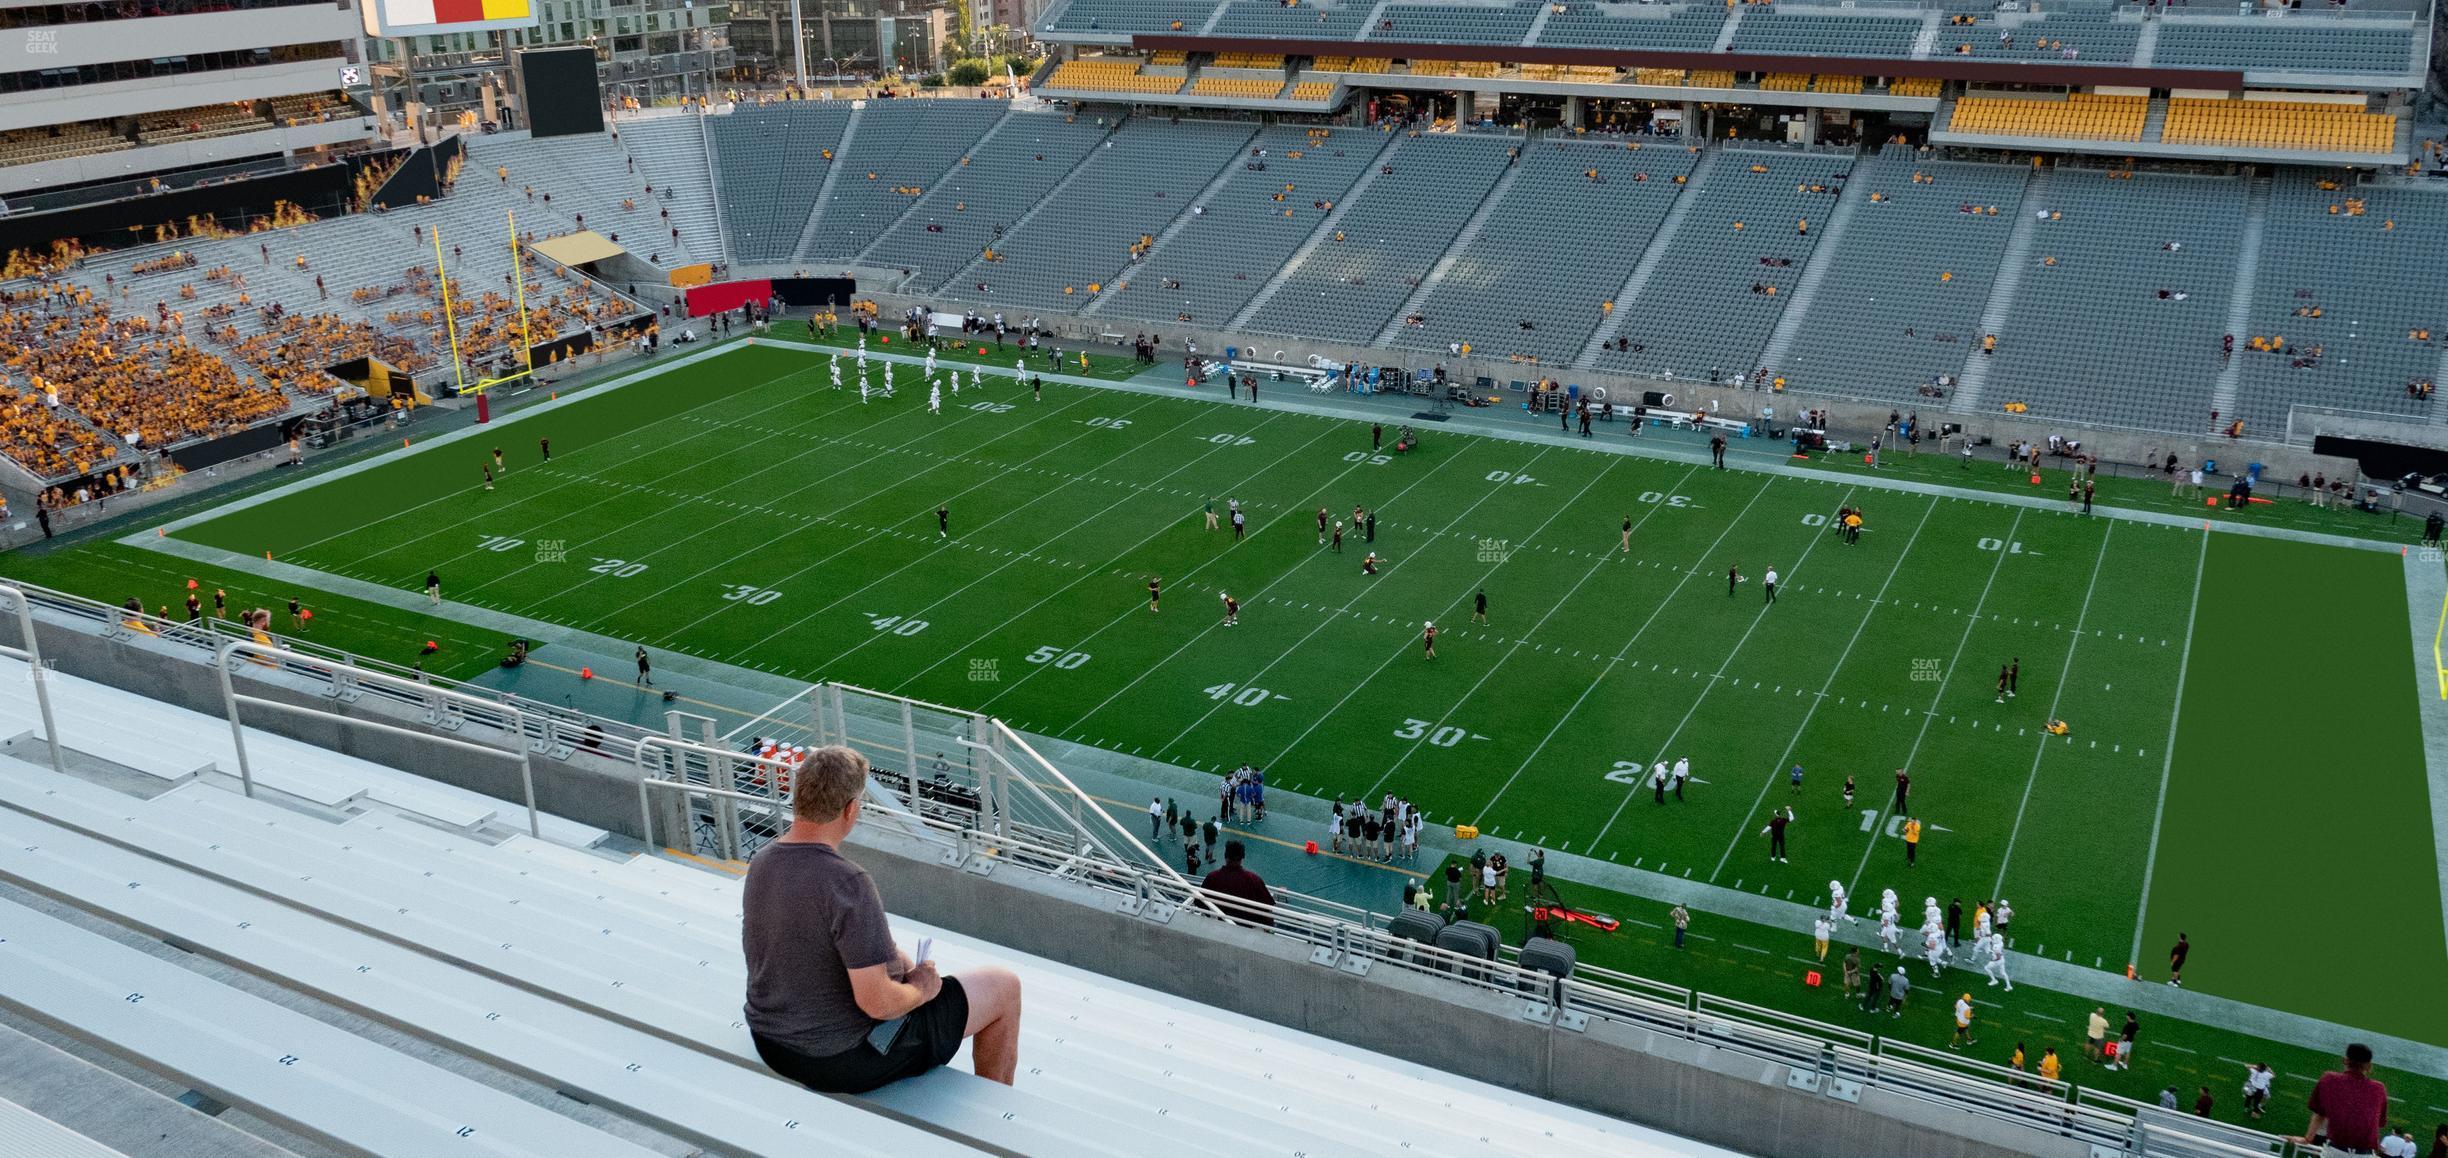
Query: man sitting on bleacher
x=832, y=1003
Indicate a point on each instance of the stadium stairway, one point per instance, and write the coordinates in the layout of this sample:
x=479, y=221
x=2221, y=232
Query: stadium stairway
x=824, y=190
x=1461, y=242
x=1814, y=273
x=2247, y=278
x=1325, y=229
x=1659, y=243
x=2146, y=45
x=2011, y=267
x=620, y=982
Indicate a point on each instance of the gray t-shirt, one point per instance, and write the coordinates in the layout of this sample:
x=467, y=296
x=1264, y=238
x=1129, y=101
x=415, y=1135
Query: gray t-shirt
x=809, y=916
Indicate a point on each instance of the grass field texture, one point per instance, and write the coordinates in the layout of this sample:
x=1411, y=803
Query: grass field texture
x=742, y=511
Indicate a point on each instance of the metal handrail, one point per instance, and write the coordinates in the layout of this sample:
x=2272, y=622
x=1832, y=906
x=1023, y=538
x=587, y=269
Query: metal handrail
x=31, y=652
x=2056, y=1107
x=205, y=634
x=230, y=698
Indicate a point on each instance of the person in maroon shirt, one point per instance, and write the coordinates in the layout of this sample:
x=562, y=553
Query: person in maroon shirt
x=2348, y=1107
x=1252, y=901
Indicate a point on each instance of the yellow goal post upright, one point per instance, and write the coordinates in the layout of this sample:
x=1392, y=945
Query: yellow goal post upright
x=518, y=284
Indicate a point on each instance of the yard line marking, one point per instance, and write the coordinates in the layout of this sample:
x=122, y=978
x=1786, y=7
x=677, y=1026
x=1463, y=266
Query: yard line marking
x=1363, y=592
x=2065, y=676
x=1398, y=652
x=582, y=477
x=817, y=446
x=1756, y=620
x=1553, y=605
x=1126, y=616
x=1626, y=649
x=1854, y=883
x=646, y=373
x=650, y=486
x=1125, y=553
x=2167, y=762
x=1098, y=514
x=845, y=596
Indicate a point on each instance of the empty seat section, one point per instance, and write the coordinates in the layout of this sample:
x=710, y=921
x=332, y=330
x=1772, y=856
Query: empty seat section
x=770, y=163
x=1901, y=301
x=1305, y=21
x=2314, y=125
x=1454, y=23
x=1774, y=32
x=1244, y=87
x=2120, y=311
x=2347, y=308
x=670, y=154
x=1283, y=184
x=1098, y=226
x=1356, y=276
x=984, y=193
x=2081, y=115
x=2288, y=44
x=1721, y=284
x=1106, y=74
x=1658, y=28
x=1133, y=16
x=894, y=155
x=1532, y=262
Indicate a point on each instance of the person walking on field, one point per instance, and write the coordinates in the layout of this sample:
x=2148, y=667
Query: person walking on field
x=1769, y=581
x=433, y=588
x=1903, y=788
x=1155, y=592
x=2176, y=960
x=2014, y=674
x=645, y=669
x=1682, y=923
x=1912, y=842
x=1627, y=535
x=1819, y=938
x=1211, y=515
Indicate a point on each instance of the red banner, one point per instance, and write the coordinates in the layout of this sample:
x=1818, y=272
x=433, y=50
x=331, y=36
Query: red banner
x=730, y=295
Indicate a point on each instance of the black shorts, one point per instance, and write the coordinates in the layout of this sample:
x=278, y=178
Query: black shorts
x=929, y=1039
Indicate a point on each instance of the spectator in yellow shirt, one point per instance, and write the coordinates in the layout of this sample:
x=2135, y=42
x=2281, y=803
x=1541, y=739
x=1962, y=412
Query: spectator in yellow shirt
x=1912, y=841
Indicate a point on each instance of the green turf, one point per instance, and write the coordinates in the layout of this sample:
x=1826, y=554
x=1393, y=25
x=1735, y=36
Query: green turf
x=2295, y=838
x=740, y=510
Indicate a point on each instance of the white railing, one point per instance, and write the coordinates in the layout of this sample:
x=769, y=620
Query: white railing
x=29, y=649
x=514, y=721
x=1830, y=1060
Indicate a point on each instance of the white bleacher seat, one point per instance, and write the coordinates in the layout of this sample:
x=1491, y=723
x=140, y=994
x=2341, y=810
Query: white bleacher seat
x=711, y=1101
x=22, y=1131
x=277, y=1063
x=128, y=734
x=1103, y=1063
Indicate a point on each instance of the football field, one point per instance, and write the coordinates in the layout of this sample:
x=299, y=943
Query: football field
x=2238, y=708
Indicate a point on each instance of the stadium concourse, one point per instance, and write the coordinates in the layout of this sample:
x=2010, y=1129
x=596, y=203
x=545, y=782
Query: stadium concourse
x=1038, y=451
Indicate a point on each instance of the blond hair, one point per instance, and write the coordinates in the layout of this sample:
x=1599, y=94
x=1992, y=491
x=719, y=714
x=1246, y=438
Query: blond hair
x=825, y=785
